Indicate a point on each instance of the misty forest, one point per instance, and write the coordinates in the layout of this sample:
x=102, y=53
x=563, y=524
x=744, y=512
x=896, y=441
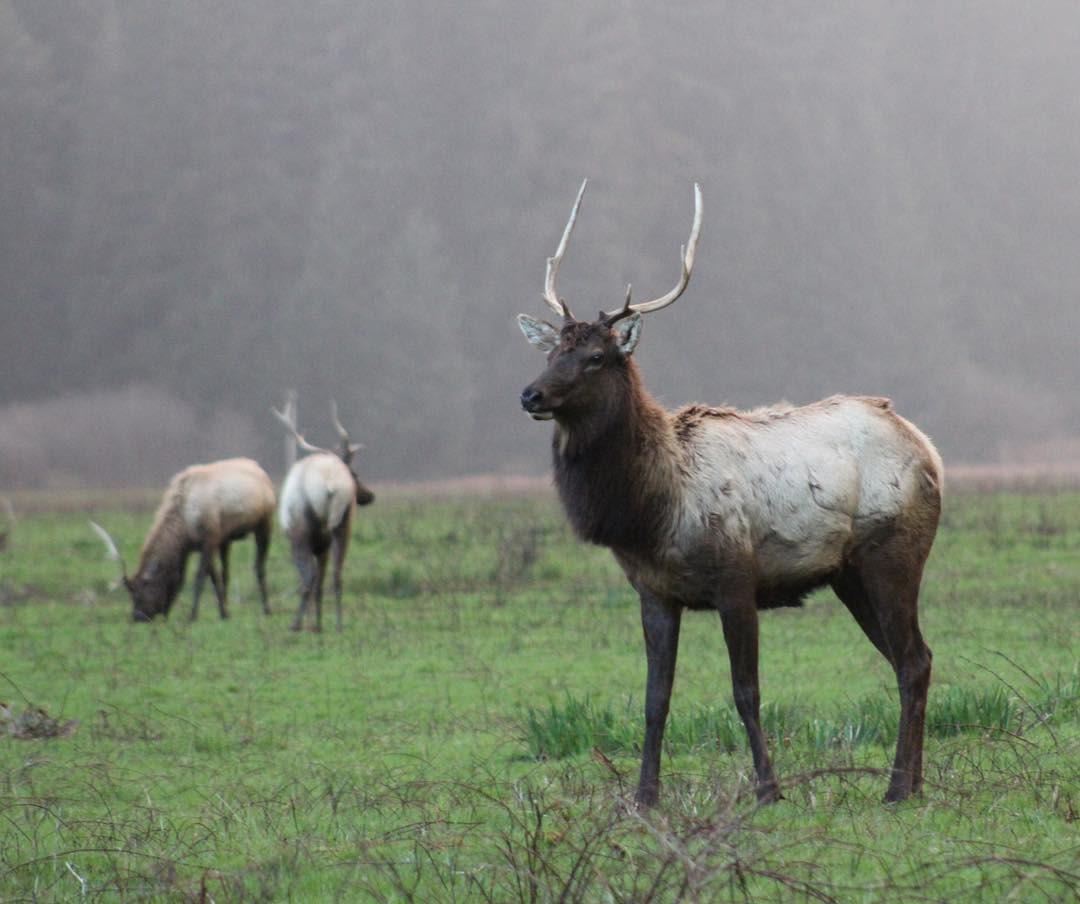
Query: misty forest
x=263, y=229
x=205, y=204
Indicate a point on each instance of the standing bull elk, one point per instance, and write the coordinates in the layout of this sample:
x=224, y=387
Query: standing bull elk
x=318, y=500
x=712, y=508
x=205, y=508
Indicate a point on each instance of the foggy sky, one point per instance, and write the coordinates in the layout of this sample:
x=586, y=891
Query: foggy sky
x=203, y=204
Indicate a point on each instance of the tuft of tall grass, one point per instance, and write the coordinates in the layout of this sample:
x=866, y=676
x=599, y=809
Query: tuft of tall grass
x=958, y=709
x=577, y=725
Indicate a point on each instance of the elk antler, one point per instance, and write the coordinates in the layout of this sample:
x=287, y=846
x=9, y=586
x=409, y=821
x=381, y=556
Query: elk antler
x=346, y=440
x=558, y=305
x=687, y=255
x=110, y=549
x=299, y=437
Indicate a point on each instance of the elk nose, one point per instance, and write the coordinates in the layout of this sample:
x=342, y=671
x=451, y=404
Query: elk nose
x=531, y=398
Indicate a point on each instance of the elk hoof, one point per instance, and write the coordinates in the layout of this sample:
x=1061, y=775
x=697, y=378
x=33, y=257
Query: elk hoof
x=646, y=798
x=769, y=794
x=899, y=788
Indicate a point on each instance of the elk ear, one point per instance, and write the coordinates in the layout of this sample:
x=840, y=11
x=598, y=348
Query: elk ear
x=540, y=333
x=627, y=334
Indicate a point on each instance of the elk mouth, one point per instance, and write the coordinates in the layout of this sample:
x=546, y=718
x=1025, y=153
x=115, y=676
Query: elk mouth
x=535, y=405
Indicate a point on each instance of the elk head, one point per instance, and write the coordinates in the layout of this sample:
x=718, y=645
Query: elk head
x=149, y=594
x=587, y=360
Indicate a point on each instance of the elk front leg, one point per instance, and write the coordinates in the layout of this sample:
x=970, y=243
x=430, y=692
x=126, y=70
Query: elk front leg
x=197, y=586
x=215, y=579
x=740, y=623
x=660, y=623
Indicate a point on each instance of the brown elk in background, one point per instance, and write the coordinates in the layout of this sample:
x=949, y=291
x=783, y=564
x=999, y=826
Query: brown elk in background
x=205, y=508
x=318, y=500
x=713, y=508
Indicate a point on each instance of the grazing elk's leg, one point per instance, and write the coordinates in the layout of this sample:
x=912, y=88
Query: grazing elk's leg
x=305, y=565
x=320, y=577
x=215, y=579
x=660, y=622
x=894, y=596
x=197, y=586
x=262, y=546
x=337, y=559
x=224, y=573
x=740, y=622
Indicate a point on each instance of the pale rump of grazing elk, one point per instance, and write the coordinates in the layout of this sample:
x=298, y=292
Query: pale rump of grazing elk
x=318, y=500
x=713, y=508
x=205, y=508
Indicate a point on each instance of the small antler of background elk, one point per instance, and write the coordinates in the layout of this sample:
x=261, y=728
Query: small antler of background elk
x=348, y=448
x=297, y=435
x=111, y=552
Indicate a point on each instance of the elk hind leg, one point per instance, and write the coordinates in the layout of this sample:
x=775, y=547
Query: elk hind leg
x=262, y=546
x=848, y=586
x=306, y=567
x=740, y=623
x=338, y=546
x=893, y=594
x=320, y=559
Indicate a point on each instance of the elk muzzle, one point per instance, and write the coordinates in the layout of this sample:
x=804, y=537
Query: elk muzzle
x=533, y=402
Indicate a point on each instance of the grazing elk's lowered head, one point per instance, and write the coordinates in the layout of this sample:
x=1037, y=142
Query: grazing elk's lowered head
x=589, y=364
x=204, y=509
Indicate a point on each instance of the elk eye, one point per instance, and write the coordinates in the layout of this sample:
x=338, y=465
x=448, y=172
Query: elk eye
x=595, y=360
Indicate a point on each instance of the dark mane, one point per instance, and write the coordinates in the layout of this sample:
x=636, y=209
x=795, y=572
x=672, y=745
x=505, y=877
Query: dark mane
x=612, y=470
x=167, y=541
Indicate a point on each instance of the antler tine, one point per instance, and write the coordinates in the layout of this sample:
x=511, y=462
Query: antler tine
x=624, y=311
x=343, y=434
x=341, y=431
x=687, y=253
x=297, y=435
x=110, y=548
x=558, y=305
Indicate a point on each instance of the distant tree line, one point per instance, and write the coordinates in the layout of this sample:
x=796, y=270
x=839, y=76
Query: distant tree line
x=213, y=202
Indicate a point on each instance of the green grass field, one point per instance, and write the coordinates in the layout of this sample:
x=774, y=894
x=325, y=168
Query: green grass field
x=472, y=733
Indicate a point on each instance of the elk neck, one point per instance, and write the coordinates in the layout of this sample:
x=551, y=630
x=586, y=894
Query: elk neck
x=167, y=543
x=616, y=469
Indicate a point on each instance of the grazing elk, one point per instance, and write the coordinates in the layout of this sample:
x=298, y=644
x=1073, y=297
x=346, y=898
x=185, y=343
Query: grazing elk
x=318, y=500
x=205, y=508
x=712, y=508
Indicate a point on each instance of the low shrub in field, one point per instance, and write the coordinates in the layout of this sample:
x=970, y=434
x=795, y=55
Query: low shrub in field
x=574, y=725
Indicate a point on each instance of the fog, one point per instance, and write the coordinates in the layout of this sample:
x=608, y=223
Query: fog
x=203, y=204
